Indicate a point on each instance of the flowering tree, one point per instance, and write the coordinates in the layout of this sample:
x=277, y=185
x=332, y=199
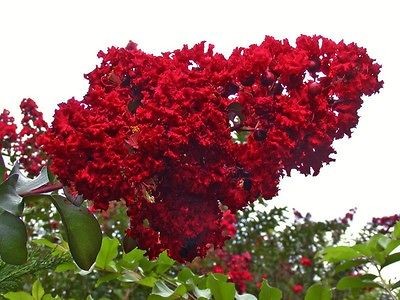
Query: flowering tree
x=185, y=139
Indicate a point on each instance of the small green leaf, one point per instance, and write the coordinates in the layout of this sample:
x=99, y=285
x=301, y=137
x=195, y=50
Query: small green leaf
x=13, y=239
x=185, y=274
x=339, y=253
x=396, y=285
x=130, y=277
x=106, y=278
x=220, y=289
x=131, y=259
x=396, y=231
x=393, y=258
x=269, y=293
x=162, y=291
x=357, y=282
x=108, y=251
x=9, y=199
x=349, y=264
x=318, y=292
x=148, y=281
x=200, y=293
x=164, y=263
x=37, y=290
x=68, y=266
x=18, y=296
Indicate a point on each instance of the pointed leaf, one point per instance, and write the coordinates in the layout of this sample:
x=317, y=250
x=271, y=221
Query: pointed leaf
x=357, y=282
x=13, y=238
x=9, y=199
x=269, y=293
x=164, y=263
x=349, y=264
x=106, y=278
x=18, y=296
x=318, y=292
x=339, y=253
x=108, y=251
x=220, y=289
x=26, y=184
x=37, y=290
x=83, y=232
x=393, y=258
x=396, y=231
x=162, y=291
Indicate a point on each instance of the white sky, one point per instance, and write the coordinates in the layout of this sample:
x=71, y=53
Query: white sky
x=47, y=46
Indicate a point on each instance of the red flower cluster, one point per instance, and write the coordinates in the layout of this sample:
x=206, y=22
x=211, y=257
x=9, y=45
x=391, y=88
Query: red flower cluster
x=157, y=131
x=7, y=131
x=385, y=223
x=21, y=144
x=236, y=266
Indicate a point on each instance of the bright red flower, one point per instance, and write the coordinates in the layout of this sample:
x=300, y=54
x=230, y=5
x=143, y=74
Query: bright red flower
x=297, y=288
x=157, y=131
x=305, y=261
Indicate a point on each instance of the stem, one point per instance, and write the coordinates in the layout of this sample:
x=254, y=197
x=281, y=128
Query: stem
x=385, y=286
x=44, y=189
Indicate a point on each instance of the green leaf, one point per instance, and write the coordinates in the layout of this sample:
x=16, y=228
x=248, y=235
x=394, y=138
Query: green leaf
x=393, y=244
x=395, y=285
x=164, y=263
x=200, y=293
x=185, y=274
x=37, y=290
x=57, y=248
x=13, y=238
x=106, y=278
x=18, y=296
x=318, y=292
x=269, y=293
x=148, y=281
x=108, y=251
x=50, y=297
x=220, y=289
x=130, y=277
x=395, y=257
x=25, y=184
x=3, y=168
x=131, y=259
x=83, y=231
x=396, y=231
x=339, y=253
x=357, y=282
x=349, y=264
x=9, y=199
x=68, y=266
x=162, y=291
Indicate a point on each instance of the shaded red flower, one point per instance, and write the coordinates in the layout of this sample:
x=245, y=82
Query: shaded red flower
x=305, y=261
x=297, y=288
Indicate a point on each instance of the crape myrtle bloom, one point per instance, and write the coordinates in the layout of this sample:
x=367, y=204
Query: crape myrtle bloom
x=156, y=131
x=33, y=125
x=8, y=134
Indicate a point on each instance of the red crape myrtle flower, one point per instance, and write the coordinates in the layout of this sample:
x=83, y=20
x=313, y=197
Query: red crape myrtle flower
x=157, y=131
x=8, y=133
x=305, y=261
x=297, y=288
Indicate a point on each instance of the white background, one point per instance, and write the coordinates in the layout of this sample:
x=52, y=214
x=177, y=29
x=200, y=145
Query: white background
x=47, y=46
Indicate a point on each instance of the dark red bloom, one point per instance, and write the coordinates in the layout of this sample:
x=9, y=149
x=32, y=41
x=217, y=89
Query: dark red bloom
x=157, y=131
x=8, y=129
